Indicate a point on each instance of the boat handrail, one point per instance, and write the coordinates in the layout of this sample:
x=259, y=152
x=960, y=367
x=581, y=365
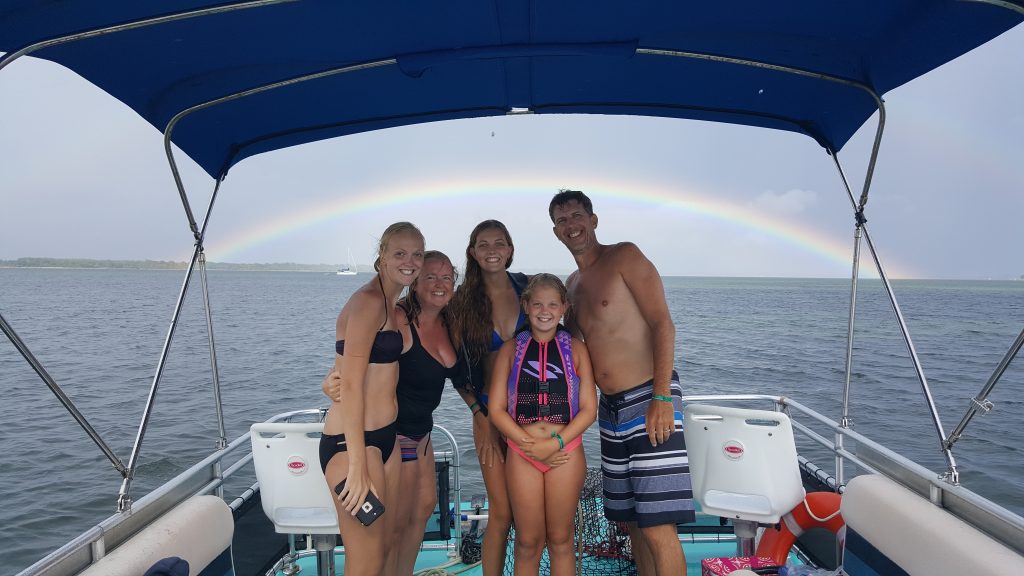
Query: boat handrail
x=204, y=477
x=996, y=521
x=90, y=546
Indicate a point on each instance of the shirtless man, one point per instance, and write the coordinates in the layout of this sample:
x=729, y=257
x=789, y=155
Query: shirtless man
x=618, y=307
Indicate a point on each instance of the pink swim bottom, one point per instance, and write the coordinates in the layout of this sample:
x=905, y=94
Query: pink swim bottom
x=540, y=465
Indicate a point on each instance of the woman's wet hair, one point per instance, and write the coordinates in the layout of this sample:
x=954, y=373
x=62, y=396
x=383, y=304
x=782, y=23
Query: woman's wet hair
x=389, y=232
x=471, y=263
x=471, y=308
x=544, y=280
x=411, y=303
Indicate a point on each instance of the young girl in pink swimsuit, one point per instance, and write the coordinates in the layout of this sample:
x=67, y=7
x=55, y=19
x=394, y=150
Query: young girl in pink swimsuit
x=542, y=399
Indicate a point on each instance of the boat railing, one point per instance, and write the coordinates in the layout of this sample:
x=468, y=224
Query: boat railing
x=872, y=457
x=207, y=476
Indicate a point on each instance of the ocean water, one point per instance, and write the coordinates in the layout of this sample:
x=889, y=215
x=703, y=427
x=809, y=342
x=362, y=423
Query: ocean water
x=99, y=333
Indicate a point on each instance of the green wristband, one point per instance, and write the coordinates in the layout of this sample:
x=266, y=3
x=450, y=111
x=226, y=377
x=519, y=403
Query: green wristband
x=473, y=405
x=662, y=398
x=561, y=443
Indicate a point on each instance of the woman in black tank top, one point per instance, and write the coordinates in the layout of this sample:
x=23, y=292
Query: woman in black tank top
x=359, y=436
x=427, y=362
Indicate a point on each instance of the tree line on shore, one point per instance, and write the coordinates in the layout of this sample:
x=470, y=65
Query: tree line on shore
x=33, y=262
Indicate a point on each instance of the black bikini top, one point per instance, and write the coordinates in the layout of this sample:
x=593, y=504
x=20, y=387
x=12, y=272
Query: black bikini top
x=387, y=344
x=387, y=347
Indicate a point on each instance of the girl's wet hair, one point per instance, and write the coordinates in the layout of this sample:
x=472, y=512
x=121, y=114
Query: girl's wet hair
x=471, y=262
x=389, y=232
x=411, y=303
x=544, y=280
x=471, y=308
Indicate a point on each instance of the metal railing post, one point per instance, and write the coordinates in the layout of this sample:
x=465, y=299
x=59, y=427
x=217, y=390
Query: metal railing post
x=222, y=440
x=845, y=421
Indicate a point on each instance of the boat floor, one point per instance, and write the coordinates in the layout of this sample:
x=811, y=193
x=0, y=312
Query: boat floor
x=702, y=540
x=427, y=559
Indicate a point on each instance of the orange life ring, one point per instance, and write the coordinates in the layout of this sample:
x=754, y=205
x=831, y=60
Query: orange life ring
x=818, y=510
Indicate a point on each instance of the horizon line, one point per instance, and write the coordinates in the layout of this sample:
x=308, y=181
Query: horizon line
x=360, y=269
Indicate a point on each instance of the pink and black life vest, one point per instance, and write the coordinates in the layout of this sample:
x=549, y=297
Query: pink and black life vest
x=543, y=384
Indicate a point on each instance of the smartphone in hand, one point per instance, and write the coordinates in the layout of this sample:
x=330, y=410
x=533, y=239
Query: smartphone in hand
x=369, y=510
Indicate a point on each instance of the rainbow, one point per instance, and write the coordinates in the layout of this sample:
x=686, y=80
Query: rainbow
x=704, y=205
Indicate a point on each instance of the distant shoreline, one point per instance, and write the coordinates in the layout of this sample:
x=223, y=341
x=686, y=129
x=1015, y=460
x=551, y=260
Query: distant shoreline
x=91, y=264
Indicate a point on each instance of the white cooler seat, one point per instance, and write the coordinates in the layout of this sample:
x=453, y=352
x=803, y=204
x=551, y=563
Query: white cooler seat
x=743, y=466
x=292, y=486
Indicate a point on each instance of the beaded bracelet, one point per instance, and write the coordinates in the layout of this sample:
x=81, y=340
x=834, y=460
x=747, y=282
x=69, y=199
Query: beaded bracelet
x=662, y=398
x=556, y=435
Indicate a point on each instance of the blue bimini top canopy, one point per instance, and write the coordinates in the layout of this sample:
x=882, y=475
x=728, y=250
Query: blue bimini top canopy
x=238, y=79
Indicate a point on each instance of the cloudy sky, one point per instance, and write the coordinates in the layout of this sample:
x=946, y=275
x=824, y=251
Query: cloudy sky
x=84, y=177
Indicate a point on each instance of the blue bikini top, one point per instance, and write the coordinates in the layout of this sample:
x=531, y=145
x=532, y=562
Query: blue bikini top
x=519, y=284
x=496, y=340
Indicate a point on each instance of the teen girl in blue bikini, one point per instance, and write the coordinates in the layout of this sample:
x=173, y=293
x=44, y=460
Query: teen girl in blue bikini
x=486, y=313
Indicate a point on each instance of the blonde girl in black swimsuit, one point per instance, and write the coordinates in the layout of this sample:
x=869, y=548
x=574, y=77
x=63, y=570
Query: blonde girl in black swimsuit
x=359, y=444
x=427, y=361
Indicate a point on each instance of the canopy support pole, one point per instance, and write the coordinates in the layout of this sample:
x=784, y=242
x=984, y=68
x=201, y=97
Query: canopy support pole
x=222, y=440
x=59, y=393
x=952, y=475
x=124, y=500
x=845, y=421
x=169, y=130
x=981, y=402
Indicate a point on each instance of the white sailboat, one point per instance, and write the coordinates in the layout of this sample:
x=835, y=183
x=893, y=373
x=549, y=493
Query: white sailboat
x=349, y=269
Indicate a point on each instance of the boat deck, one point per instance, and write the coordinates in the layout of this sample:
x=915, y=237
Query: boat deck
x=439, y=559
x=705, y=538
